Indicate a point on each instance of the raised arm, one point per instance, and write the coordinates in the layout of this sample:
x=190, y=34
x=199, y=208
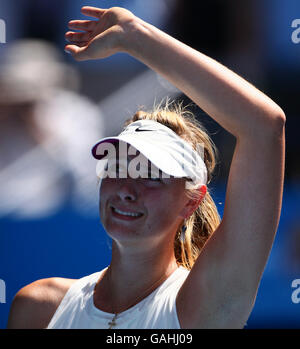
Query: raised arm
x=223, y=282
x=238, y=106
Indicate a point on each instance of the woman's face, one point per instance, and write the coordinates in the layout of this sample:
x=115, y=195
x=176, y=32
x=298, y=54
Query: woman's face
x=143, y=207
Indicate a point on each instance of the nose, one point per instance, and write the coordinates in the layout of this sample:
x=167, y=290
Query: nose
x=127, y=190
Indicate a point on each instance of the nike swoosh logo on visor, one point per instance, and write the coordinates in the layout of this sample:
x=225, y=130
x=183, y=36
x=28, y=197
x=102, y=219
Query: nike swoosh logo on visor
x=139, y=129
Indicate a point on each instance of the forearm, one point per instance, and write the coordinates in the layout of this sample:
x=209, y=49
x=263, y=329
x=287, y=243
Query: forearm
x=234, y=103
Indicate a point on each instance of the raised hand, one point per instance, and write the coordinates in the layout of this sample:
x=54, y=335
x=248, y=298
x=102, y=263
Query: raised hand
x=98, y=38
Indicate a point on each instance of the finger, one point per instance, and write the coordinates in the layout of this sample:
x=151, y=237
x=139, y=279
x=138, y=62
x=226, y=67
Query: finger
x=79, y=53
x=92, y=11
x=78, y=37
x=82, y=25
x=79, y=43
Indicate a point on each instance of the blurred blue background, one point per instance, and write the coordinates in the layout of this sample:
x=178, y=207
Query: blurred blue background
x=52, y=110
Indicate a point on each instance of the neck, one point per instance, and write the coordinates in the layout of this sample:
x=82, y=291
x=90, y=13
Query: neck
x=139, y=267
x=132, y=276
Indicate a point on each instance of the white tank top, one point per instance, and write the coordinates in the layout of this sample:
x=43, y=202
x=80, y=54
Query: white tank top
x=156, y=311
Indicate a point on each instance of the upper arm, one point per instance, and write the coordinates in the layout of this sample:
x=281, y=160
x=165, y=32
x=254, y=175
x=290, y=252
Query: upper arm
x=223, y=283
x=35, y=304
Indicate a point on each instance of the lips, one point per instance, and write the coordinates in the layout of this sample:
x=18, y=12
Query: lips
x=125, y=214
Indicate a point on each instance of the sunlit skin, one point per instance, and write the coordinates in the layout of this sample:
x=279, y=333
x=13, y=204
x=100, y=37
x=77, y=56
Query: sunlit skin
x=162, y=205
x=163, y=198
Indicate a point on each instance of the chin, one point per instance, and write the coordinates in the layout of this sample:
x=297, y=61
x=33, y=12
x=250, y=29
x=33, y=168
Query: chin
x=119, y=232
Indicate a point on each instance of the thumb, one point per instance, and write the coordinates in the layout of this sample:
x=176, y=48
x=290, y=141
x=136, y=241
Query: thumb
x=78, y=53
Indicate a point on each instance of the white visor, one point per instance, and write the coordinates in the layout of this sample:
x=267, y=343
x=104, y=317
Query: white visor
x=162, y=147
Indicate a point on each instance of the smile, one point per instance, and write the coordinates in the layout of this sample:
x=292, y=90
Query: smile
x=125, y=213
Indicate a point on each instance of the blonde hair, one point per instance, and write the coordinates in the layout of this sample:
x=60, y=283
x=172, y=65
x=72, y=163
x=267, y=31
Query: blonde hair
x=205, y=219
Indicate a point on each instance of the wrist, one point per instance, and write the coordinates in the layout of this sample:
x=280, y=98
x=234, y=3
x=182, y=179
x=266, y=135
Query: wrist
x=131, y=41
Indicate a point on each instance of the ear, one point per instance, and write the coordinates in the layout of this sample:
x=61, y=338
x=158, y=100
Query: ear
x=193, y=203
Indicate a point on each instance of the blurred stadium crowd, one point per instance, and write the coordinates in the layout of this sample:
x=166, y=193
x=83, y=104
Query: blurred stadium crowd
x=53, y=109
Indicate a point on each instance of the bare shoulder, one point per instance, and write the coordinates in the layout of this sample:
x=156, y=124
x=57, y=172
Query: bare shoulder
x=35, y=304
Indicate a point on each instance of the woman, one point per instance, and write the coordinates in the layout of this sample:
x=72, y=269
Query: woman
x=157, y=277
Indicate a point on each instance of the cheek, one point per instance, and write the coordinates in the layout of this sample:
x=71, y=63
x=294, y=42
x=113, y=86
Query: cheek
x=167, y=207
x=103, y=190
